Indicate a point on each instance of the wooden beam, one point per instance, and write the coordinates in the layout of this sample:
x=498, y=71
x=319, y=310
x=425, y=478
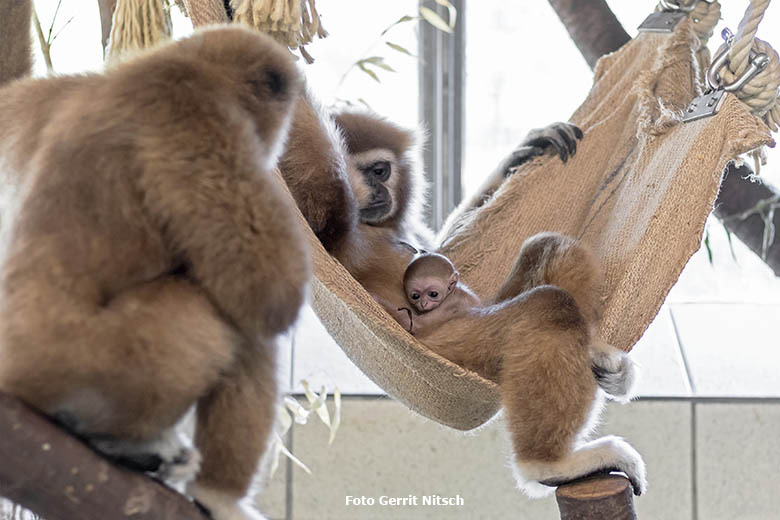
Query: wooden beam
x=602, y=497
x=55, y=475
x=106, y=17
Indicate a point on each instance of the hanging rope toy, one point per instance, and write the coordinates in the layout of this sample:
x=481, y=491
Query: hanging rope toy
x=138, y=25
x=293, y=23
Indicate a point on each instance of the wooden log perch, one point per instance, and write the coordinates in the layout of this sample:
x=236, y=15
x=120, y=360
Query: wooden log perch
x=46, y=470
x=599, y=497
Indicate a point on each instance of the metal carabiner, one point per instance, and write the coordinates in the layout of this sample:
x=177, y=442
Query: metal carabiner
x=758, y=62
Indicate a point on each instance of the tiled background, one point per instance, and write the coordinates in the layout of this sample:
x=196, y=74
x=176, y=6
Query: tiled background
x=707, y=424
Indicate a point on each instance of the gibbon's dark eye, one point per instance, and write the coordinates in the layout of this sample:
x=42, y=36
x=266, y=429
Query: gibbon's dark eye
x=380, y=170
x=433, y=294
x=415, y=296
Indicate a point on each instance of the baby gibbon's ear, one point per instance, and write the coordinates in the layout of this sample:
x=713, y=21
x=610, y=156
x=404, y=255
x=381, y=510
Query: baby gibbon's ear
x=454, y=279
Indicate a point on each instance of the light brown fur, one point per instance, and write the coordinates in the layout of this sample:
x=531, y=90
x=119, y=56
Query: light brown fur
x=150, y=257
x=534, y=340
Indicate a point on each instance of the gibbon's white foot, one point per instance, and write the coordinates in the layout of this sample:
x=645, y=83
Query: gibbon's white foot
x=616, y=373
x=171, y=457
x=221, y=505
x=538, y=479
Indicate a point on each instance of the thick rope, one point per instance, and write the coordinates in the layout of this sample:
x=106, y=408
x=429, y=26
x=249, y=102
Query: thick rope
x=739, y=55
x=293, y=23
x=761, y=92
x=206, y=12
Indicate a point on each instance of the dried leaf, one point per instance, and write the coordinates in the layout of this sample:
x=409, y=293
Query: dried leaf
x=283, y=449
x=317, y=403
x=276, y=450
x=285, y=420
x=364, y=103
x=453, y=12
x=435, y=20
x=299, y=413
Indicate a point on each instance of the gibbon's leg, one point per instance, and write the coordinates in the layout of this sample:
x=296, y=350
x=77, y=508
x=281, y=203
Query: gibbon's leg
x=607, y=453
x=550, y=399
x=234, y=423
x=171, y=455
x=536, y=346
x=120, y=375
x=555, y=259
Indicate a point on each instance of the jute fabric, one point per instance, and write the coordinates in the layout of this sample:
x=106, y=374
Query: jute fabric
x=638, y=191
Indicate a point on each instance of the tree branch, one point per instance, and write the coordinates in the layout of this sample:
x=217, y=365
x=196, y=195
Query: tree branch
x=55, y=475
x=106, y=17
x=593, y=27
x=737, y=194
x=43, y=41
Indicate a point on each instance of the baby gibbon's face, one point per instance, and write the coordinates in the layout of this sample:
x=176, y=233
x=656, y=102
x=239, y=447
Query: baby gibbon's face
x=427, y=293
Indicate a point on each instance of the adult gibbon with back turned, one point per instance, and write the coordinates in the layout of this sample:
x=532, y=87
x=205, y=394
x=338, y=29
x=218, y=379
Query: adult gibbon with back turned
x=536, y=340
x=150, y=258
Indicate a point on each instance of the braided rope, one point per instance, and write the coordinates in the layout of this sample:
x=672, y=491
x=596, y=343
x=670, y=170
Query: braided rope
x=293, y=23
x=739, y=55
x=705, y=17
x=137, y=24
x=761, y=92
x=206, y=12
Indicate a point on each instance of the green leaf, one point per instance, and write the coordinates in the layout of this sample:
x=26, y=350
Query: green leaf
x=364, y=103
x=398, y=48
x=453, y=12
x=371, y=73
x=405, y=18
x=731, y=245
x=382, y=65
x=435, y=20
x=707, y=245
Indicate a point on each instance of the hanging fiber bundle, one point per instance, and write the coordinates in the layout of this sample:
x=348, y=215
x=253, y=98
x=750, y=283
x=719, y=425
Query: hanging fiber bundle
x=138, y=25
x=293, y=23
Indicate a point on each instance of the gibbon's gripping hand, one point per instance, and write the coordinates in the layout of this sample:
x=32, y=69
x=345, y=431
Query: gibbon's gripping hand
x=562, y=137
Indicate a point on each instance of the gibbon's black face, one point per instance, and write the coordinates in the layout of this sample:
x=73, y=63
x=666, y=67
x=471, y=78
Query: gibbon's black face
x=380, y=202
x=374, y=181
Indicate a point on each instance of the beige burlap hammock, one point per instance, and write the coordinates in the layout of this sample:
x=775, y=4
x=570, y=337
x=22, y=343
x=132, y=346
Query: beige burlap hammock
x=638, y=193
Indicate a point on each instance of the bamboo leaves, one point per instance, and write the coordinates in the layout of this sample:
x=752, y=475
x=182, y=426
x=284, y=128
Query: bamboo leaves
x=293, y=412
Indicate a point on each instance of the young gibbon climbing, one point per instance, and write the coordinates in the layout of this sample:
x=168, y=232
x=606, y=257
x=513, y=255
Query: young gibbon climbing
x=536, y=340
x=150, y=258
